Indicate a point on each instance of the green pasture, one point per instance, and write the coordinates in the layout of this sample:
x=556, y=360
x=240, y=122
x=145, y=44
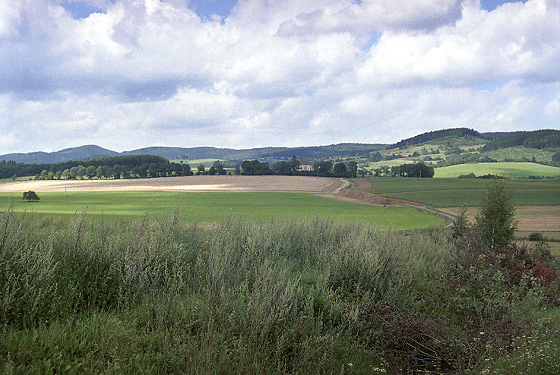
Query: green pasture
x=508, y=169
x=456, y=192
x=196, y=162
x=214, y=207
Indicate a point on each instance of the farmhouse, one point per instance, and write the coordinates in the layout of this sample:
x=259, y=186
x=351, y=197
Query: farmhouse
x=305, y=165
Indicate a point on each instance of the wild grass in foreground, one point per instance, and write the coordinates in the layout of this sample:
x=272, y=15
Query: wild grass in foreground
x=158, y=295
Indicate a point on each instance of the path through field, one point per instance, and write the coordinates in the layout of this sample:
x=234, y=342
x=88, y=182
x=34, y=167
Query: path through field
x=359, y=193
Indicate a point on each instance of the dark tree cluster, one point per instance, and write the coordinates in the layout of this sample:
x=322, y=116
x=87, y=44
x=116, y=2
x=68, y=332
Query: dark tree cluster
x=255, y=168
x=216, y=169
x=292, y=168
x=129, y=166
x=413, y=170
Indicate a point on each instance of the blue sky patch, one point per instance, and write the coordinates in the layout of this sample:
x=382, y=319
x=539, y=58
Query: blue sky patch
x=490, y=5
x=206, y=8
x=80, y=9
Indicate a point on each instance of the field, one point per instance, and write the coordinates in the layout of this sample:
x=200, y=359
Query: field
x=209, y=199
x=204, y=207
x=457, y=192
x=507, y=169
x=291, y=184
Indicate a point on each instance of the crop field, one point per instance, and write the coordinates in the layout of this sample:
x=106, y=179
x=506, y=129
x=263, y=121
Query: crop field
x=508, y=169
x=457, y=192
x=205, y=207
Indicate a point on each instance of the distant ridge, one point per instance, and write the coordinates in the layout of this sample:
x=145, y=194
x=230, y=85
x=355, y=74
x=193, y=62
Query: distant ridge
x=430, y=136
x=75, y=153
x=195, y=153
x=495, y=140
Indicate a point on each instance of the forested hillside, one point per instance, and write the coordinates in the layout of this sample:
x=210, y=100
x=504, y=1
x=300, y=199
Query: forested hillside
x=536, y=139
x=426, y=137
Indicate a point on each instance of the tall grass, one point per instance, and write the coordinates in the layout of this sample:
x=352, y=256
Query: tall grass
x=158, y=295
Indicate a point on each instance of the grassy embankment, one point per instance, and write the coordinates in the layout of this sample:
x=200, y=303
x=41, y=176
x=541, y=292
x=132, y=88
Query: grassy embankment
x=159, y=295
x=215, y=207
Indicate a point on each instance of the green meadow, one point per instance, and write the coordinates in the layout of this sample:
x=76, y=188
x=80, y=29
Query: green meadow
x=441, y=192
x=507, y=169
x=215, y=207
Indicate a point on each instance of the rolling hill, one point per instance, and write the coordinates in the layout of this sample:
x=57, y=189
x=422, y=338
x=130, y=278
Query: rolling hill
x=441, y=148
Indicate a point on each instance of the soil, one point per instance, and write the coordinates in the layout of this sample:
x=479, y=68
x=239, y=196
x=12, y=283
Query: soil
x=359, y=193
x=530, y=219
x=293, y=184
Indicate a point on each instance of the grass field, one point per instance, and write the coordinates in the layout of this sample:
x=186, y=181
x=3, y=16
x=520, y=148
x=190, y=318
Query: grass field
x=508, y=169
x=214, y=207
x=456, y=192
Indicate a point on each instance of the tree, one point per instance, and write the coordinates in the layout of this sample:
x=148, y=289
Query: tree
x=220, y=169
x=496, y=219
x=30, y=196
x=339, y=170
x=281, y=168
x=294, y=164
x=323, y=168
x=90, y=172
x=200, y=169
x=353, y=169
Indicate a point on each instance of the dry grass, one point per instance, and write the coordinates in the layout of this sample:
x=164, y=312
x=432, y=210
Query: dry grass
x=191, y=183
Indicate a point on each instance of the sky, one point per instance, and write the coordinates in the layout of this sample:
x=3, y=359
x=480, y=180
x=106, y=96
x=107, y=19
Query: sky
x=126, y=74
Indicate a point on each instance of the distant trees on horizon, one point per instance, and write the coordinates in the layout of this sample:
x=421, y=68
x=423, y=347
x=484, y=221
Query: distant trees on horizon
x=117, y=167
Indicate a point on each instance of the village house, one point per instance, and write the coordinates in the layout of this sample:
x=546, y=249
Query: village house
x=305, y=166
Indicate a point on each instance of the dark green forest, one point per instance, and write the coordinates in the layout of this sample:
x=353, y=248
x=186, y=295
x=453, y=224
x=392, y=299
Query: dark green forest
x=129, y=166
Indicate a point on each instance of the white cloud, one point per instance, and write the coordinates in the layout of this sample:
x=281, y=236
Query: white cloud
x=273, y=72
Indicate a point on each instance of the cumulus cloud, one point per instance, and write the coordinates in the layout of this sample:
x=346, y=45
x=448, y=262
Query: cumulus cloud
x=134, y=73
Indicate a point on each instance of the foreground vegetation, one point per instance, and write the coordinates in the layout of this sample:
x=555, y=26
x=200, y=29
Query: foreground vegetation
x=159, y=295
x=215, y=207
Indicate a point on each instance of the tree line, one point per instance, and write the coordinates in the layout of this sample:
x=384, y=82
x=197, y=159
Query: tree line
x=292, y=168
x=116, y=167
x=406, y=170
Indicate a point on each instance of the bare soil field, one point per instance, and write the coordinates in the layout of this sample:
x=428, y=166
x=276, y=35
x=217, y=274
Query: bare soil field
x=359, y=193
x=295, y=184
x=530, y=219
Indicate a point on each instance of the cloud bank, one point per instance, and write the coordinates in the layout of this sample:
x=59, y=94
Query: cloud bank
x=125, y=74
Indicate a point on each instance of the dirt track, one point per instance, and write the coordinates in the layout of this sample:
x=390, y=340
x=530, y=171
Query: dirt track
x=193, y=183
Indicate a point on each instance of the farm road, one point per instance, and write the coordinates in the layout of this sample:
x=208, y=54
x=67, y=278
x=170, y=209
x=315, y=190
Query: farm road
x=359, y=192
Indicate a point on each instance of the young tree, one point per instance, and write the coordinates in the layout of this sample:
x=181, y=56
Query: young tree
x=496, y=219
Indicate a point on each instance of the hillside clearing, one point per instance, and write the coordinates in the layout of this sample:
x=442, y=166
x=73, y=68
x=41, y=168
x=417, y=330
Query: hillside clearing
x=507, y=169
